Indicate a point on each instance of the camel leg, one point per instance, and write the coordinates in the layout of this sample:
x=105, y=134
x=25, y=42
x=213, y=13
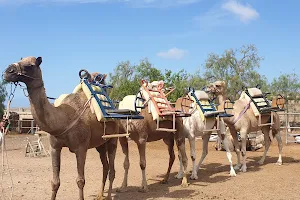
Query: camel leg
x=81, y=157
x=265, y=131
x=179, y=175
x=205, y=139
x=244, y=150
x=142, y=152
x=103, y=157
x=112, y=149
x=229, y=156
x=180, y=142
x=170, y=142
x=279, y=141
x=236, y=148
x=126, y=164
x=55, y=183
x=192, y=141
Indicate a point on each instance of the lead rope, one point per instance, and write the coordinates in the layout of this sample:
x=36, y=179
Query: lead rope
x=4, y=151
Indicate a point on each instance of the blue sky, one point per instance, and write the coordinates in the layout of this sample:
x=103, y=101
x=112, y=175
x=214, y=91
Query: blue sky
x=173, y=34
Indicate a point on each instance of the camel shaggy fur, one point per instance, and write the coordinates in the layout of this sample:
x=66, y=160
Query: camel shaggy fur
x=245, y=124
x=70, y=125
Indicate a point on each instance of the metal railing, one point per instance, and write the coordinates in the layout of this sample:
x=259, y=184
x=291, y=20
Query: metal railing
x=287, y=126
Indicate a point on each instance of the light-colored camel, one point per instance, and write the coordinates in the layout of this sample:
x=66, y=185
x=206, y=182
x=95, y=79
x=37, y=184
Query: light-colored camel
x=245, y=124
x=143, y=131
x=194, y=127
x=71, y=125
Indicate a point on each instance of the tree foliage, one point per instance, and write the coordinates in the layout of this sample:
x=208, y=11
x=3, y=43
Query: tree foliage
x=287, y=85
x=3, y=95
x=237, y=68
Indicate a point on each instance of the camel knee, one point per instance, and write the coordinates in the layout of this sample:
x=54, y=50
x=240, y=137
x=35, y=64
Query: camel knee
x=80, y=182
x=55, y=185
x=184, y=160
x=243, y=153
x=193, y=157
x=126, y=164
x=143, y=164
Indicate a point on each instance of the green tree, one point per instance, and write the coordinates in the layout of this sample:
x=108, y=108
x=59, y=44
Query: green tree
x=236, y=68
x=123, y=81
x=179, y=80
x=3, y=94
x=126, y=78
x=287, y=85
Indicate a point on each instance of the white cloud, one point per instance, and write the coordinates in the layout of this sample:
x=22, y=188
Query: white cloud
x=174, y=53
x=245, y=12
x=136, y=3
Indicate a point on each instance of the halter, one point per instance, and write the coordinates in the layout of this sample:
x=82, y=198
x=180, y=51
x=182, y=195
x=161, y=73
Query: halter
x=19, y=72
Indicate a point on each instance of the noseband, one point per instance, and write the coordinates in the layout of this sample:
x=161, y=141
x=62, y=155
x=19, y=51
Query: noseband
x=19, y=72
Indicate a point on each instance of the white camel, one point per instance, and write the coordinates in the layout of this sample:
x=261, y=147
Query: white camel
x=194, y=127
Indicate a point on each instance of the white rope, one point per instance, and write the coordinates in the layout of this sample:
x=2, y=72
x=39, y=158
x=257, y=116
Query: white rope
x=4, y=153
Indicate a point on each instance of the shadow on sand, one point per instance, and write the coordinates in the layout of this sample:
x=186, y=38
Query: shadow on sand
x=209, y=173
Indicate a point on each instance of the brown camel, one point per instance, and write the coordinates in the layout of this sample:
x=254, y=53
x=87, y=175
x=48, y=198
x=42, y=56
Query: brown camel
x=143, y=131
x=246, y=123
x=71, y=125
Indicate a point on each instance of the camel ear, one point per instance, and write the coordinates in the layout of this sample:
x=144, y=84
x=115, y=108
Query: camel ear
x=38, y=61
x=223, y=83
x=104, y=76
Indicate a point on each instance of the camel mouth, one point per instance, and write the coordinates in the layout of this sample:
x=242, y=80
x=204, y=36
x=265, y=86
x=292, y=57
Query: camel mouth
x=10, y=74
x=10, y=77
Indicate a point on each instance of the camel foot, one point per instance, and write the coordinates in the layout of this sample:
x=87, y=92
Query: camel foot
x=232, y=172
x=243, y=168
x=122, y=189
x=237, y=167
x=279, y=162
x=261, y=162
x=184, y=185
x=194, y=176
x=179, y=175
x=144, y=189
x=164, y=181
x=102, y=198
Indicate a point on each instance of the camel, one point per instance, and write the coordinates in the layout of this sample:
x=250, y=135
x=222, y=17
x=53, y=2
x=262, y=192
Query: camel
x=244, y=121
x=70, y=125
x=194, y=127
x=143, y=131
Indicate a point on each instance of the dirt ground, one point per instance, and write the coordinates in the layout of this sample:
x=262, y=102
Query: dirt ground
x=31, y=176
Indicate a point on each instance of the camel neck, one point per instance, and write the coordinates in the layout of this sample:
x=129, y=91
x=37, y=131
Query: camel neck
x=44, y=113
x=221, y=99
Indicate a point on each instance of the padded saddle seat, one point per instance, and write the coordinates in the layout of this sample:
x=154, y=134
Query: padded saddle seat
x=212, y=113
x=121, y=111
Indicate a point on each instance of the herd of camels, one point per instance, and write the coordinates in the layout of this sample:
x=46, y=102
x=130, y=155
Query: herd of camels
x=85, y=132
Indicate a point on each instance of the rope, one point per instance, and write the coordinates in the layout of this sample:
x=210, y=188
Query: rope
x=4, y=151
x=76, y=119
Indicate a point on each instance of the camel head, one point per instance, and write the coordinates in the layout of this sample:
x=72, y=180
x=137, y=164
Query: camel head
x=27, y=70
x=216, y=88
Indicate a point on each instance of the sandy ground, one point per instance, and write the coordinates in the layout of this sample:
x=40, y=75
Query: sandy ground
x=31, y=176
